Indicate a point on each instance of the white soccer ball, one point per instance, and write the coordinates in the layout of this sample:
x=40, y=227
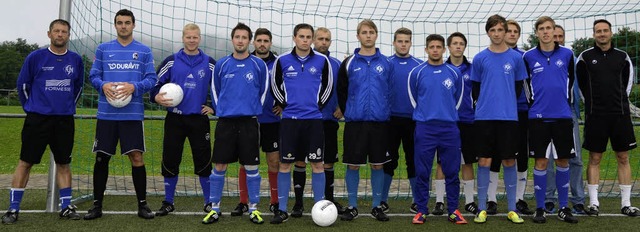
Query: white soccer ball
x=173, y=92
x=119, y=103
x=324, y=213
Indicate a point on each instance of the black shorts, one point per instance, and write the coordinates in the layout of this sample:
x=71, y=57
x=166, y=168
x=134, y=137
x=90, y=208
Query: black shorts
x=598, y=129
x=331, y=141
x=301, y=140
x=365, y=141
x=108, y=132
x=468, y=142
x=497, y=139
x=237, y=139
x=177, y=128
x=39, y=130
x=557, y=135
x=270, y=137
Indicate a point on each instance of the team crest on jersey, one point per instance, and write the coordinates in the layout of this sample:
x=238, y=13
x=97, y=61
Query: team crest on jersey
x=68, y=69
x=594, y=61
x=201, y=73
x=313, y=70
x=135, y=56
x=559, y=63
x=448, y=83
x=465, y=77
x=379, y=69
x=507, y=68
x=248, y=77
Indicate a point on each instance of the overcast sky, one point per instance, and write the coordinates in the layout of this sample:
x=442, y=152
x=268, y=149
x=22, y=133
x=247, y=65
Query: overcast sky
x=27, y=19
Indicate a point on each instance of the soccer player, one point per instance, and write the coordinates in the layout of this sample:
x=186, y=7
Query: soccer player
x=457, y=43
x=551, y=75
x=497, y=75
x=605, y=77
x=239, y=85
x=269, y=130
x=363, y=95
x=511, y=39
x=50, y=83
x=402, y=126
x=576, y=185
x=190, y=68
x=435, y=91
x=301, y=82
x=129, y=63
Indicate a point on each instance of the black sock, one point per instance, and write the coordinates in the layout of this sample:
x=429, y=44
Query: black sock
x=100, y=177
x=299, y=179
x=328, y=186
x=139, y=175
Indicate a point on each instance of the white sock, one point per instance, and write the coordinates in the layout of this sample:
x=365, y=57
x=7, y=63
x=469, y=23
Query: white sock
x=593, y=194
x=493, y=187
x=522, y=184
x=468, y=191
x=439, y=190
x=625, y=194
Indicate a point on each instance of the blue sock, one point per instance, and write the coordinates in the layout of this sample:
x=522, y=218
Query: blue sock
x=377, y=182
x=562, y=184
x=352, y=177
x=216, y=182
x=539, y=186
x=412, y=183
x=204, y=184
x=170, y=188
x=65, y=197
x=510, y=183
x=483, y=186
x=253, y=188
x=386, y=187
x=317, y=185
x=284, y=186
x=15, y=198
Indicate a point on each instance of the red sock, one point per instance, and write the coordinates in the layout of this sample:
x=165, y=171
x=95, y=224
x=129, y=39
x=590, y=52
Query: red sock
x=273, y=185
x=242, y=186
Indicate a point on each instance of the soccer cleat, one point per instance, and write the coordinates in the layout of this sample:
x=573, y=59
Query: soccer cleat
x=211, y=217
x=492, y=207
x=471, y=208
x=550, y=207
x=481, y=217
x=630, y=211
x=207, y=207
x=439, y=209
x=340, y=208
x=578, y=209
x=419, y=218
x=384, y=206
x=274, y=207
x=279, y=217
x=379, y=214
x=523, y=207
x=592, y=210
x=349, y=214
x=413, y=208
x=456, y=217
x=256, y=217
x=145, y=212
x=10, y=217
x=94, y=212
x=514, y=217
x=297, y=211
x=564, y=214
x=70, y=213
x=240, y=209
x=539, y=216
x=166, y=208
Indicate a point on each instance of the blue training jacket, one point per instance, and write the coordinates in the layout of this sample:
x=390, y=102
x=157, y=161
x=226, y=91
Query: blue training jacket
x=435, y=92
x=466, y=112
x=267, y=115
x=239, y=86
x=192, y=74
x=332, y=104
x=523, y=104
x=400, y=104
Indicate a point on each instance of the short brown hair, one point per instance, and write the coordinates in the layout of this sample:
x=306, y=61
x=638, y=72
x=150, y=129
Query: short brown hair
x=544, y=19
x=402, y=31
x=495, y=20
x=513, y=22
x=367, y=22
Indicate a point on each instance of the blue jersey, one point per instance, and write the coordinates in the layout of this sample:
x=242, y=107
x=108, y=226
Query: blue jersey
x=332, y=104
x=400, y=104
x=116, y=63
x=435, y=91
x=523, y=104
x=239, y=86
x=50, y=83
x=497, y=74
x=302, y=85
x=551, y=76
x=267, y=115
x=192, y=74
x=364, y=86
x=465, y=111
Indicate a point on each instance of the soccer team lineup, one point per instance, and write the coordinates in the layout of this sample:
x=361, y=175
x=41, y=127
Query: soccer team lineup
x=290, y=106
